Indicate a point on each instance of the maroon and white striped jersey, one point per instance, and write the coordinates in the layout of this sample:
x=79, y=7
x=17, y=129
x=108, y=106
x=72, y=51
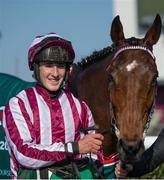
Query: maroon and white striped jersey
x=37, y=127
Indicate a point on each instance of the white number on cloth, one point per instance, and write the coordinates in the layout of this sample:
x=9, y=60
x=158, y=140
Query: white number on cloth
x=3, y=146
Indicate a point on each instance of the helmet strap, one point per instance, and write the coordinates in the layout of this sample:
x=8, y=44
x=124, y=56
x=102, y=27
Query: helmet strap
x=36, y=72
x=63, y=84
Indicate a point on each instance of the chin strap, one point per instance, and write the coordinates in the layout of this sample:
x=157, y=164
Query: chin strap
x=63, y=84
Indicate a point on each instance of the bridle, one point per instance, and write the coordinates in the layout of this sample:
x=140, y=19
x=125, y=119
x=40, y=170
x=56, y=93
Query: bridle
x=129, y=47
x=111, y=108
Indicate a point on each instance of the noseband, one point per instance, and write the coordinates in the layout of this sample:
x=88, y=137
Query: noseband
x=111, y=108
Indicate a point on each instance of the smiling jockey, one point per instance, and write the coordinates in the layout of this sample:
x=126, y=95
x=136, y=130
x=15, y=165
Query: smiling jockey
x=42, y=124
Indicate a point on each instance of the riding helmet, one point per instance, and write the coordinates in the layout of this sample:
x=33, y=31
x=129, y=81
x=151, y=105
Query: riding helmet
x=50, y=48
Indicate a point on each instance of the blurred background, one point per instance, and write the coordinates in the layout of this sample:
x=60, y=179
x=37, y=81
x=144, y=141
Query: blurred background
x=84, y=22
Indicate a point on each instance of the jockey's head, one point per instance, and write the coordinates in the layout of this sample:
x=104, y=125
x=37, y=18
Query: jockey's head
x=50, y=49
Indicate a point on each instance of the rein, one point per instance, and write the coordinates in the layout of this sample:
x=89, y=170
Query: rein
x=85, y=131
x=151, y=109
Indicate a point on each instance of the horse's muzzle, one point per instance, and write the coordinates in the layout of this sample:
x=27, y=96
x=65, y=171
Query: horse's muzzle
x=130, y=152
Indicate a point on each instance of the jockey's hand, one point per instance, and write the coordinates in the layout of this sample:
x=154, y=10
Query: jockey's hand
x=90, y=143
x=122, y=172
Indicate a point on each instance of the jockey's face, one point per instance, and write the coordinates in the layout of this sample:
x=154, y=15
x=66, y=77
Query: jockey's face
x=52, y=75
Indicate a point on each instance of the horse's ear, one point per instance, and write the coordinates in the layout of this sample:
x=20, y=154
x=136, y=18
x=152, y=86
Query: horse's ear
x=117, y=33
x=153, y=34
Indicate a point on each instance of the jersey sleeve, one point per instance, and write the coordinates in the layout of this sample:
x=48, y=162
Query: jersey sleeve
x=20, y=135
x=88, y=121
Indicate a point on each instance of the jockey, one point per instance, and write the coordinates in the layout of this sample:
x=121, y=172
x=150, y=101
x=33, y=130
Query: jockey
x=42, y=124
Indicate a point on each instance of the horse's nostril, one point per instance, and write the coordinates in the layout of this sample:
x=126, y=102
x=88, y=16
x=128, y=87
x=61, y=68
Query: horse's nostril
x=131, y=149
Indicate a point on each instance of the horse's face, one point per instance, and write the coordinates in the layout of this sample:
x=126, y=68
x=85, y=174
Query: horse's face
x=132, y=86
x=132, y=90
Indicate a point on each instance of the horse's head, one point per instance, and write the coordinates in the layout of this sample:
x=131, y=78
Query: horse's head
x=132, y=85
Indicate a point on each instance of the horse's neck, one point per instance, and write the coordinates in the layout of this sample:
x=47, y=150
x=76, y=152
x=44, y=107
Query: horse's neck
x=92, y=84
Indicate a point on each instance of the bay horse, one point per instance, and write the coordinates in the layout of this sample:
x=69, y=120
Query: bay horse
x=119, y=84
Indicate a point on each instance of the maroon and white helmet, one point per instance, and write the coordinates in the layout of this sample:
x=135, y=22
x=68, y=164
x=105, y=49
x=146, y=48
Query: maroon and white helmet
x=43, y=43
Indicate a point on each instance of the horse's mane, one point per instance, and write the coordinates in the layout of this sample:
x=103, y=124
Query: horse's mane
x=101, y=54
x=94, y=57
